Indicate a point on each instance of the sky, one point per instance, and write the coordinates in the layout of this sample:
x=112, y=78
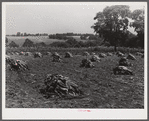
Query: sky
x=55, y=17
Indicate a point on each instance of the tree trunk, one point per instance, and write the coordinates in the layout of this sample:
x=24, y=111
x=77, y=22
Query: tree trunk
x=115, y=48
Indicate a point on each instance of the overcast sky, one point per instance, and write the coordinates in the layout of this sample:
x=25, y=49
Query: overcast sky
x=55, y=17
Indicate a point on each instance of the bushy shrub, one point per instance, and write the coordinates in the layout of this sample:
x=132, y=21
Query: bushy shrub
x=59, y=36
x=41, y=44
x=71, y=42
x=13, y=44
x=28, y=43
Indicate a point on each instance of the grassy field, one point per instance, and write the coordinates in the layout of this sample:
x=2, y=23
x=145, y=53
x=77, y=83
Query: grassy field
x=37, y=39
x=101, y=88
x=74, y=50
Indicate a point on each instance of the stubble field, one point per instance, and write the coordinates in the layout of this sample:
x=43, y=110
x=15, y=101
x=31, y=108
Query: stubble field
x=100, y=87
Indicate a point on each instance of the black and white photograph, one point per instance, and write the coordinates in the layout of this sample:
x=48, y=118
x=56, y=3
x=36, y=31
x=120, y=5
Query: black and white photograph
x=74, y=60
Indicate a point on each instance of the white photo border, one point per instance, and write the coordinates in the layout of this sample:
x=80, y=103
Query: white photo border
x=52, y=113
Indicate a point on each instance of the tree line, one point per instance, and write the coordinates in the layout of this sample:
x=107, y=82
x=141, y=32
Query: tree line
x=65, y=36
x=18, y=34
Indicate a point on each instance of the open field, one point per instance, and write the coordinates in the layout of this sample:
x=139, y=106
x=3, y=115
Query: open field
x=37, y=39
x=100, y=87
x=74, y=50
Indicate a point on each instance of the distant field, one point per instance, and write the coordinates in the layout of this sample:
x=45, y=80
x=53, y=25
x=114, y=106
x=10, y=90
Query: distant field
x=36, y=39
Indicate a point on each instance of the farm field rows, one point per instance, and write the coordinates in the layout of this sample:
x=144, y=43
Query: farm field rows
x=100, y=87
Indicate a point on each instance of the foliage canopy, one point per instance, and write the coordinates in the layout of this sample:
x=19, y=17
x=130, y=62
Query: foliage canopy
x=113, y=22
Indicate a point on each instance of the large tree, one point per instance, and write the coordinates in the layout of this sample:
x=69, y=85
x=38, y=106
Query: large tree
x=138, y=24
x=112, y=24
